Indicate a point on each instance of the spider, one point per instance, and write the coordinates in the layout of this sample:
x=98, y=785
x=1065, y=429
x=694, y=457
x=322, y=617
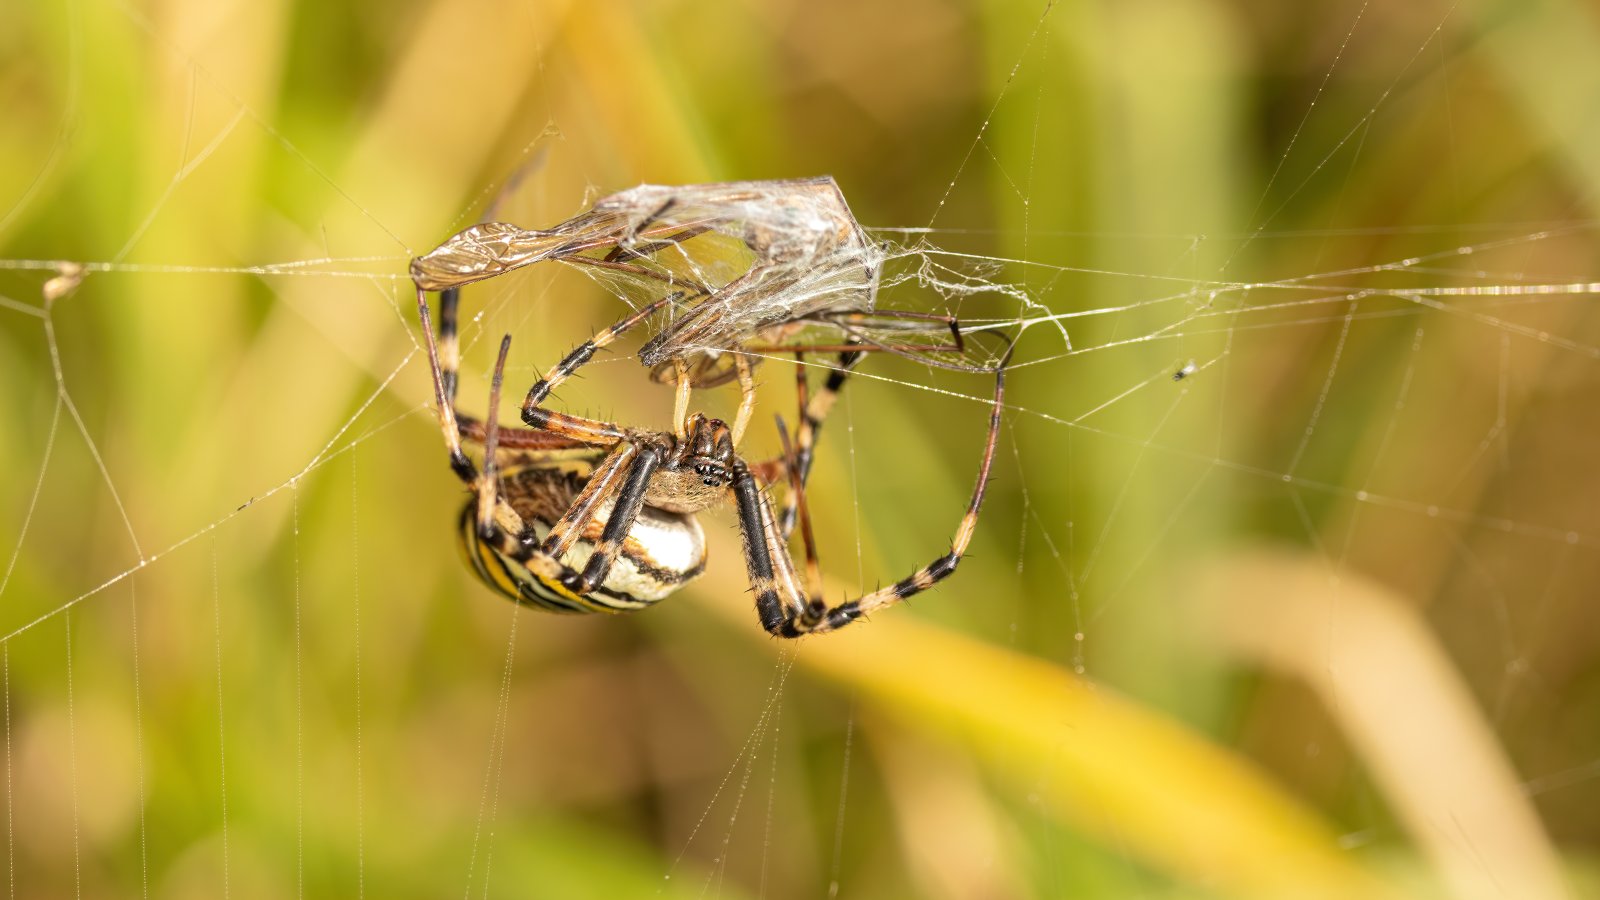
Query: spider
x=581, y=515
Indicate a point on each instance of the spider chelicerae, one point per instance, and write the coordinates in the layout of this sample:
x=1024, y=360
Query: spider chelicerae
x=575, y=514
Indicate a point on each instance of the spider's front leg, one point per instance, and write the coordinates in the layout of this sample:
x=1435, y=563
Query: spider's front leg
x=779, y=595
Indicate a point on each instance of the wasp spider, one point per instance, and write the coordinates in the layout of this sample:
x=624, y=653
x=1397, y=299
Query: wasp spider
x=575, y=514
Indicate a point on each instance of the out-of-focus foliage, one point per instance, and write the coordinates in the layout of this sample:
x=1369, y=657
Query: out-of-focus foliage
x=241, y=654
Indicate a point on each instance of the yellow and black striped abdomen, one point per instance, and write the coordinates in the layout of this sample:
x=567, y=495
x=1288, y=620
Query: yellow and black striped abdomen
x=662, y=551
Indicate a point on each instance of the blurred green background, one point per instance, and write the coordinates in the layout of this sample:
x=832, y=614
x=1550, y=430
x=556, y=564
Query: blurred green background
x=1310, y=621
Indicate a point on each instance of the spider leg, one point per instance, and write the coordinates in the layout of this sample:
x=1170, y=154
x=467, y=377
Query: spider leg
x=592, y=431
x=533, y=439
x=576, y=590
x=747, y=396
x=603, y=484
x=778, y=602
x=488, y=486
x=552, y=582
x=443, y=398
x=680, y=408
x=768, y=471
x=812, y=413
x=771, y=572
x=494, y=514
x=493, y=519
x=797, y=494
x=449, y=343
x=444, y=356
x=623, y=514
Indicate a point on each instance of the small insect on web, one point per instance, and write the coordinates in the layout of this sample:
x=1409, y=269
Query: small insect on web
x=580, y=515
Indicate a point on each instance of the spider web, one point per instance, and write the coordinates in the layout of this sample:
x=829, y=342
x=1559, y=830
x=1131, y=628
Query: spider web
x=1354, y=359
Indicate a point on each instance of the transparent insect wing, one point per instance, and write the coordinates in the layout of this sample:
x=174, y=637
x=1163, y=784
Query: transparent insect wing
x=808, y=256
x=746, y=256
x=495, y=248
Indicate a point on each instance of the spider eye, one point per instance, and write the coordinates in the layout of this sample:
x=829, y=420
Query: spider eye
x=711, y=474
